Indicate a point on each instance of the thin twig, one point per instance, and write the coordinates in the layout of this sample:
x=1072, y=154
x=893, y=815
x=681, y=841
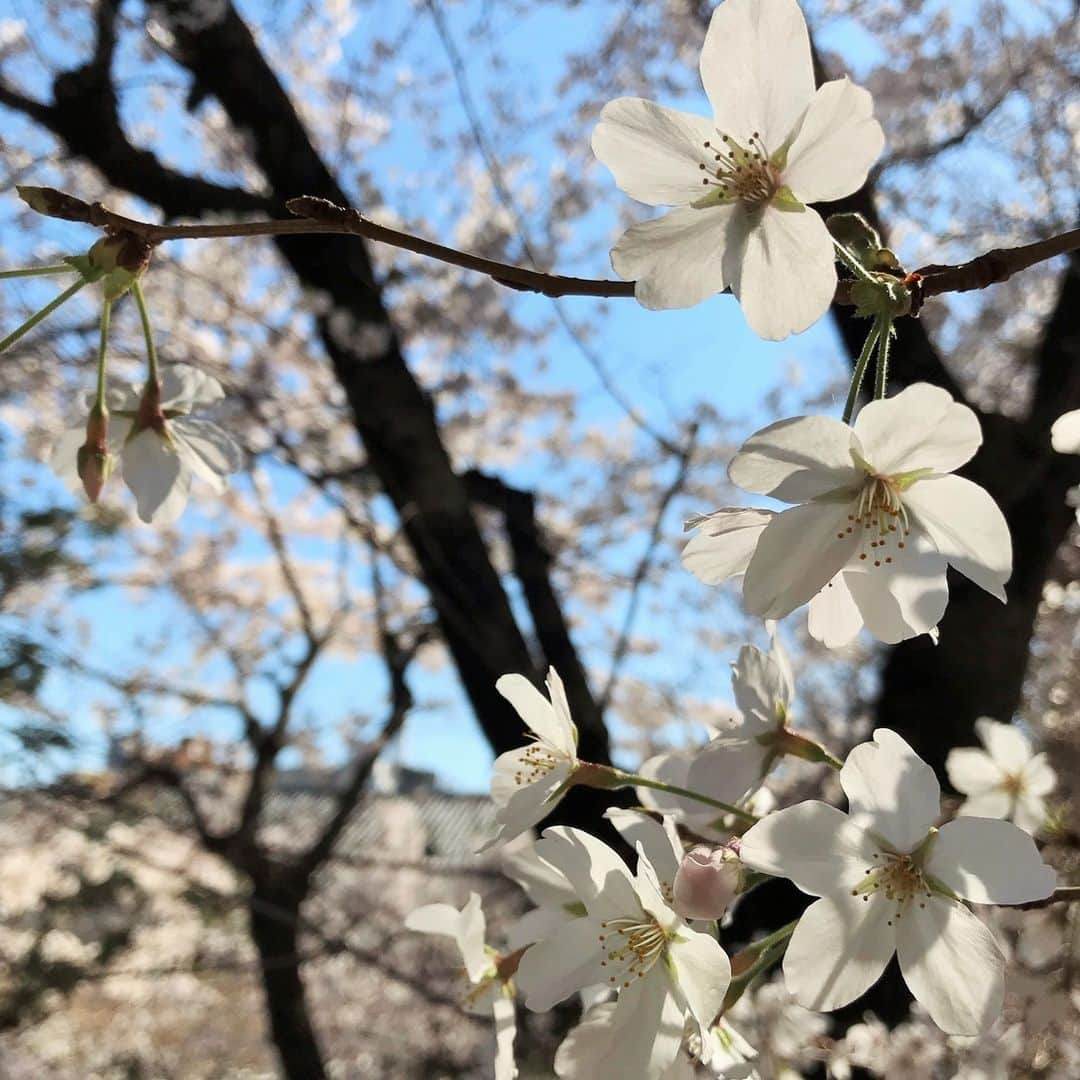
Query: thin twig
x=320, y=216
x=993, y=266
x=1064, y=894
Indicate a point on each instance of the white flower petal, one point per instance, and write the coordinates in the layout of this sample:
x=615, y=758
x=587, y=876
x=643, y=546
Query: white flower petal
x=994, y=803
x=1009, y=747
x=551, y=726
x=799, y=552
x=724, y=542
x=787, y=276
x=1037, y=777
x=682, y=258
x=465, y=927
x=702, y=973
x=815, y=845
x=544, y=885
x=839, y=950
x=796, y=460
x=756, y=68
x=63, y=457
x=953, y=966
x=671, y=768
x=838, y=141
x=658, y=840
x=209, y=449
x=535, y=925
x=891, y=790
x=589, y=1044
x=989, y=862
x=502, y=1009
x=119, y=396
x=905, y=597
x=1029, y=813
x=653, y=152
x=169, y=511
x=521, y=805
x=184, y=387
x=637, y=1038
x=597, y=875
x=922, y=427
x=967, y=527
x=727, y=769
x=154, y=471
x=512, y=779
x=972, y=771
x=834, y=618
x=1065, y=434
x=553, y=969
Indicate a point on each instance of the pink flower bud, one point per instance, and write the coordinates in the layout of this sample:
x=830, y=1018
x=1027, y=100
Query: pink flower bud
x=93, y=460
x=706, y=882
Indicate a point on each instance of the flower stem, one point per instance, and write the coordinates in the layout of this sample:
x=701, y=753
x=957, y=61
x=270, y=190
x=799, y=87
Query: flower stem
x=633, y=779
x=148, y=334
x=764, y=953
x=859, y=372
x=99, y=404
x=852, y=262
x=38, y=271
x=40, y=316
x=881, y=371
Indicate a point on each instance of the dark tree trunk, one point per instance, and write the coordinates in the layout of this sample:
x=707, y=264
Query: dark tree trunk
x=393, y=415
x=274, y=922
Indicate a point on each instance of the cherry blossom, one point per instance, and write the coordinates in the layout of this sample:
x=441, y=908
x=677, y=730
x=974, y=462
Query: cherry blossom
x=586, y=1053
x=553, y=894
x=664, y=972
x=527, y=782
x=1006, y=780
x=878, y=516
x=888, y=881
x=1065, y=433
x=489, y=974
x=742, y=181
x=735, y=762
x=159, y=444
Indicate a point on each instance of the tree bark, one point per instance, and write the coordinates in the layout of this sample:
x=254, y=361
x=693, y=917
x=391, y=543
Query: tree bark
x=275, y=921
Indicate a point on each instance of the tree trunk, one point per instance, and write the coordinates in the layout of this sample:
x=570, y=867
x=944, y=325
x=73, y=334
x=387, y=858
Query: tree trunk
x=393, y=416
x=275, y=924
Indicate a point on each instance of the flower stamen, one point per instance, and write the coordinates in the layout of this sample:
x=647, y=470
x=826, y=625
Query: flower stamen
x=631, y=945
x=738, y=173
x=881, y=517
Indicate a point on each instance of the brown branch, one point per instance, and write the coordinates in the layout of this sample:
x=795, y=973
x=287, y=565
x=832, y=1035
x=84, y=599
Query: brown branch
x=1064, y=894
x=992, y=267
x=321, y=216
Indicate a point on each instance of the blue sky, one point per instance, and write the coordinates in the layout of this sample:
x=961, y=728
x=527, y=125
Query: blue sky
x=664, y=362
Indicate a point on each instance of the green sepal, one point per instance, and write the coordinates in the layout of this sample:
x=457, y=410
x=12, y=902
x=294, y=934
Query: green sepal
x=82, y=263
x=784, y=199
x=880, y=296
x=715, y=197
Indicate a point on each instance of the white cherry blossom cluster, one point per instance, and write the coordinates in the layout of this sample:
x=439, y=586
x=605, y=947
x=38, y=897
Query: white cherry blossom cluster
x=872, y=517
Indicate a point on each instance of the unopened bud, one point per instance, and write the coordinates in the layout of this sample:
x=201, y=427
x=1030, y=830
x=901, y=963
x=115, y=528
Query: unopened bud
x=122, y=259
x=93, y=460
x=706, y=882
x=53, y=203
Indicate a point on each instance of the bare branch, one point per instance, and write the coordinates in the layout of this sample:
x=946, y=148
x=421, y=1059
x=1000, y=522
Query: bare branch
x=320, y=216
x=992, y=267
